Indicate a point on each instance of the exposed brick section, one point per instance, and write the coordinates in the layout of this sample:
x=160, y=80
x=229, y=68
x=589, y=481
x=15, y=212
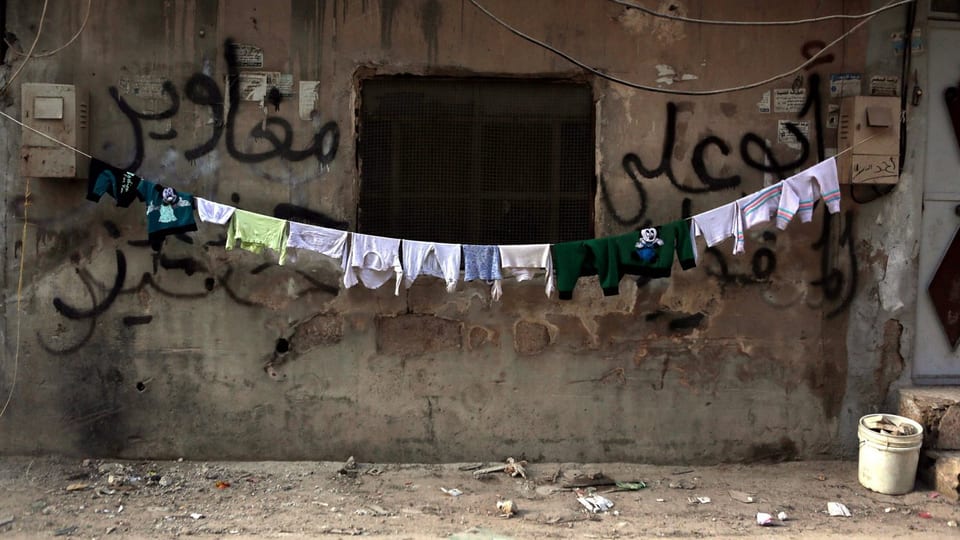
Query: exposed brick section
x=530, y=337
x=416, y=335
x=320, y=330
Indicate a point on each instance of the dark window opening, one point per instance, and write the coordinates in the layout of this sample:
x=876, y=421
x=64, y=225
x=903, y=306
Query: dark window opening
x=476, y=161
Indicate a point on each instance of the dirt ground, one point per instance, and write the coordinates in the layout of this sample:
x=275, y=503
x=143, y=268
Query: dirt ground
x=48, y=497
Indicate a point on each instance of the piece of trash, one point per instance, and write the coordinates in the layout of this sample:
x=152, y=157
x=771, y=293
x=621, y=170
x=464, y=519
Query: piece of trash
x=6, y=521
x=222, y=485
x=630, y=486
x=77, y=487
x=349, y=467
x=596, y=503
x=111, y=529
x=764, y=520
x=889, y=509
x=103, y=492
x=699, y=500
x=506, y=508
x=933, y=495
x=925, y=515
x=836, y=509
x=821, y=477
x=197, y=515
x=951, y=523
x=741, y=496
x=782, y=516
x=66, y=531
x=454, y=492
x=682, y=484
x=590, y=480
x=661, y=500
x=516, y=468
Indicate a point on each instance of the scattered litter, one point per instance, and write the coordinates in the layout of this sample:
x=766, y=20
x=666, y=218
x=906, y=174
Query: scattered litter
x=821, y=477
x=741, y=496
x=836, y=509
x=352, y=531
x=590, y=480
x=951, y=523
x=629, y=486
x=103, y=492
x=699, y=500
x=373, y=471
x=511, y=467
x=925, y=515
x=889, y=509
x=516, y=468
x=6, y=521
x=222, y=485
x=506, y=508
x=596, y=503
x=661, y=500
x=110, y=529
x=453, y=492
x=164, y=481
x=933, y=495
x=197, y=515
x=77, y=487
x=66, y=531
x=765, y=520
x=349, y=467
x=782, y=516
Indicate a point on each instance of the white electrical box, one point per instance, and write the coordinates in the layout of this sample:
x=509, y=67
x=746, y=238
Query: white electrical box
x=869, y=131
x=60, y=111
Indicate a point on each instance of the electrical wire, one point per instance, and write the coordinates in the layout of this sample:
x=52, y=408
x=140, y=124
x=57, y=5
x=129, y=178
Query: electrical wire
x=672, y=91
x=42, y=134
x=45, y=54
x=43, y=15
x=716, y=22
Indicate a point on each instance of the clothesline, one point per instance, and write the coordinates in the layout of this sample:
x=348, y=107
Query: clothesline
x=169, y=212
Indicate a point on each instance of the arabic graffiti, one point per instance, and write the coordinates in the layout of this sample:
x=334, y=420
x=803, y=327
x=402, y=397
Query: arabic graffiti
x=203, y=90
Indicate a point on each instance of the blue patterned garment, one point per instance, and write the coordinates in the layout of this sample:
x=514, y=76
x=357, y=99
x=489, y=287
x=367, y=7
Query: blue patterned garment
x=481, y=262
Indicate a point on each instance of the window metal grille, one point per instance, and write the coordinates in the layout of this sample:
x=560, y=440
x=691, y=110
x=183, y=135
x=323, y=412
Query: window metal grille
x=476, y=161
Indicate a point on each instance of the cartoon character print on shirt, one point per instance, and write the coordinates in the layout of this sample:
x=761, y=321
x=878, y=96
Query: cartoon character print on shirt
x=170, y=199
x=648, y=244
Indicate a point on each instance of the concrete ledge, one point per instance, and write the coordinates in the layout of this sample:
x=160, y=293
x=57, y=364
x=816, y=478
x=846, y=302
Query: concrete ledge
x=937, y=409
x=941, y=471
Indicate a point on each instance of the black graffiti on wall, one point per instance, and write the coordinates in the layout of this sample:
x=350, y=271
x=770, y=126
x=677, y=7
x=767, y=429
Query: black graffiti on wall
x=201, y=89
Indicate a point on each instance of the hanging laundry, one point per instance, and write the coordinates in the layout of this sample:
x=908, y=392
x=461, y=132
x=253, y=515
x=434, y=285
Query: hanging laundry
x=525, y=261
x=213, y=212
x=758, y=208
x=372, y=260
x=431, y=259
x=254, y=232
x=103, y=178
x=168, y=212
x=648, y=252
x=329, y=242
x=483, y=262
x=802, y=190
x=717, y=225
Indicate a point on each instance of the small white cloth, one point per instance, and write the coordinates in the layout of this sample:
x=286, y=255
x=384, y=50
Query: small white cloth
x=212, y=212
x=329, y=242
x=372, y=260
x=717, y=225
x=431, y=259
x=804, y=188
x=524, y=261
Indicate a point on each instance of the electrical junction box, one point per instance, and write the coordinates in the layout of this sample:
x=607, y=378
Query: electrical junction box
x=869, y=131
x=60, y=111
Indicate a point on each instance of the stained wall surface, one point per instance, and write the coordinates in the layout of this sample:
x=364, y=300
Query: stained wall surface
x=203, y=353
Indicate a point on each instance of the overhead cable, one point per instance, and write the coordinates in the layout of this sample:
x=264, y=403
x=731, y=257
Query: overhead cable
x=717, y=22
x=43, y=15
x=672, y=91
x=44, y=54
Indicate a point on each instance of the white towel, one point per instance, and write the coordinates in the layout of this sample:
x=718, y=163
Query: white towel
x=211, y=212
x=329, y=242
x=524, y=261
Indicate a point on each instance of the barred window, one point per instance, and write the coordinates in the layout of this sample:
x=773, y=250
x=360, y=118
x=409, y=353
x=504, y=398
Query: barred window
x=476, y=161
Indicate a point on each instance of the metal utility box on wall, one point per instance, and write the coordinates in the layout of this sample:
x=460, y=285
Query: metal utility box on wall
x=60, y=111
x=871, y=126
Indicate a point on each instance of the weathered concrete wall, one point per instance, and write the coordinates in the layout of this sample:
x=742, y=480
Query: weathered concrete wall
x=745, y=357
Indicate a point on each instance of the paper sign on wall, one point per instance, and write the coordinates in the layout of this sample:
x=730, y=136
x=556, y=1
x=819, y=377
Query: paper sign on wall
x=308, y=98
x=785, y=136
x=845, y=84
x=763, y=106
x=248, y=56
x=885, y=85
x=788, y=100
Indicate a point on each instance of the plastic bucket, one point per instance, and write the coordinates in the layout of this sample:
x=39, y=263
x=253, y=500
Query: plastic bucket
x=889, y=451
